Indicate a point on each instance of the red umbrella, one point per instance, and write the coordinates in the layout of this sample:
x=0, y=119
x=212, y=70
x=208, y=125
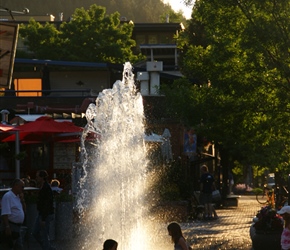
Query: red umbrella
x=45, y=128
x=6, y=130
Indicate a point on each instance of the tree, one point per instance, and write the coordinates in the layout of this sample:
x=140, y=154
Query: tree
x=241, y=49
x=91, y=36
x=42, y=41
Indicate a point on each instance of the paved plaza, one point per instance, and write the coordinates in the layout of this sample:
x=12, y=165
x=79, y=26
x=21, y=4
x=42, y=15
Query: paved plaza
x=229, y=231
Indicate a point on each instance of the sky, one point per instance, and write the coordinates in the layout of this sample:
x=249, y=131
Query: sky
x=177, y=5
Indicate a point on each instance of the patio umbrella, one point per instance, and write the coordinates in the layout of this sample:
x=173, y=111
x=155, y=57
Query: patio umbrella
x=46, y=129
x=7, y=128
x=5, y=131
x=153, y=138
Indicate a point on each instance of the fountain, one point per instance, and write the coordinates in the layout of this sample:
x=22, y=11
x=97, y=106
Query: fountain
x=111, y=189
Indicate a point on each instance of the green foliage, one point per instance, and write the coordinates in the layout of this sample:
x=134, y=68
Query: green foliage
x=42, y=41
x=257, y=191
x=170, y=182
x=91, y=36
x=238, y=171
x=21, y=155
x=4, y=145
x=236, y=56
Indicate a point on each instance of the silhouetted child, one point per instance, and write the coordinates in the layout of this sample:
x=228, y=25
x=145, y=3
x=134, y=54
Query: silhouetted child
x=110, y=245
x=285, y=237
x=55, y=186
x=174, y=230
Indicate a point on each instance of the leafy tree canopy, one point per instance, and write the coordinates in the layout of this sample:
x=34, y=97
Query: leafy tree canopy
x=236, y=55
x=91, y=36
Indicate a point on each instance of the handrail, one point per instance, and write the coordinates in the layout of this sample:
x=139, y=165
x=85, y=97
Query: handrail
x=51, y=90
x=45, y=93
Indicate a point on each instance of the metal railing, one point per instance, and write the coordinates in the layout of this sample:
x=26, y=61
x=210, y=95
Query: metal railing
x=46, y=93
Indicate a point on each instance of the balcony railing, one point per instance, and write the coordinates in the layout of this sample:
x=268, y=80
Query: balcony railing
x=47, y=93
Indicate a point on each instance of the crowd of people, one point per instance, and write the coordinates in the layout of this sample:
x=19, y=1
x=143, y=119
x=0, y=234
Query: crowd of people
x=13, y=210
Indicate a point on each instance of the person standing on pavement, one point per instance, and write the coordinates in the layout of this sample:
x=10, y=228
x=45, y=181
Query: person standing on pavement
x=45, y=211
x=285, y=237
x=12, y=215
x=206, y=188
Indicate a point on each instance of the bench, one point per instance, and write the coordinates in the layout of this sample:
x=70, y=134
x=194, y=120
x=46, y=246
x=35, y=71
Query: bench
x=231, y=200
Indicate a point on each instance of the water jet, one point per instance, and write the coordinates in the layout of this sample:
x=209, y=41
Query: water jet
x=111, y=189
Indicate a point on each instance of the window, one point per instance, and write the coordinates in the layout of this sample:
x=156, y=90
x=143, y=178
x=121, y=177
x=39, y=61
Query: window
x=152, y=39
x=33, y=84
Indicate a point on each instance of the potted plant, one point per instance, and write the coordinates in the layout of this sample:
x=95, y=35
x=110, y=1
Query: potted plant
x=266, y=229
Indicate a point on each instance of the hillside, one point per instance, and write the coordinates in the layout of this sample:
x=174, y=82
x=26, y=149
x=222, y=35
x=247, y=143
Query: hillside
x=139, y=11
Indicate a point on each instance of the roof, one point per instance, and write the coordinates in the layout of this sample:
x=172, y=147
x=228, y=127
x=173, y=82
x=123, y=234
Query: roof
x=157, y=26
x=173, y=75
x=158, y=46
x=62, y=63
x=18, y=119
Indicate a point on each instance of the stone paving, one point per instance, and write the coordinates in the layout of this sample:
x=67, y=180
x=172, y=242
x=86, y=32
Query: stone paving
x=229, y=231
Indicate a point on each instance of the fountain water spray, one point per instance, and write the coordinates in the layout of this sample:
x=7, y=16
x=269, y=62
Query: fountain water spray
x=111, y=188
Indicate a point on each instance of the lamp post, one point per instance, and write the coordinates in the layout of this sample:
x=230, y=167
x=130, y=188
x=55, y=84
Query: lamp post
x=17, y=161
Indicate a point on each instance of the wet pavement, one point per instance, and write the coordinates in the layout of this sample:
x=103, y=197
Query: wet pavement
x=229, y=231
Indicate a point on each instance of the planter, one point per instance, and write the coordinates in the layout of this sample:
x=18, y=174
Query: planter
x=262, y=240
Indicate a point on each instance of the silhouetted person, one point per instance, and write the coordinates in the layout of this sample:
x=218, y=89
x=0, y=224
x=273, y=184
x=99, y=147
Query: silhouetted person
x=55, y=186
x=45, y=211
x=12, y=215
x=206, y=188
x=110, y=245
x=285, y=237
x=174, y=230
